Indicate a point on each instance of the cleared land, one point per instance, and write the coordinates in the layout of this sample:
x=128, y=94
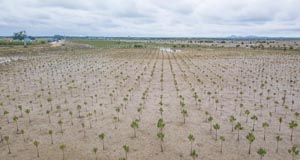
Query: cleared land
x=79, y=93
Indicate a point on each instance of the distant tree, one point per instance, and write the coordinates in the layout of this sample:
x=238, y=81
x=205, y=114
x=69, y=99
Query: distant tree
x=19, y=35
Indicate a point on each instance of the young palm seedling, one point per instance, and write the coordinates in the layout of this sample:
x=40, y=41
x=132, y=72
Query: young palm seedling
x=160, y=124
x=278, y=139
x=265, y=125
x=16, y=120
x=49, y=118
x=118, y=112
x=71, y=115
x=79, y=110
x=5, y=113
x=95, y=149
x=222, y=138
x=261, y=152
x=62, y=147
x=115, y=119
x=101, y=137
x=6, y=139
x=238, y=127
x=50, y=132
x=194, y=154
x=60, y=123
x=292, y=125
x=191, y=139
x=294, y=151
x=23, y=132
x=134, y=125
x=21, y=110
x=280, y=121
x=232, y=119
x=126, y=149
x=184, y=114
x=210, y=119
x=27, y=111
x=1, y=139
x=83, y=127
x=161, y=110
x=161, y=137
x=216, y=127
x=89, y=116
x=36, y=144
x=139, y=110
x=254, y=118
x=250, y=137
x=50, y=100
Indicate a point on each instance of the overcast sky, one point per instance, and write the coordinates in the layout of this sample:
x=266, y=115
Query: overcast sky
x=180, y=18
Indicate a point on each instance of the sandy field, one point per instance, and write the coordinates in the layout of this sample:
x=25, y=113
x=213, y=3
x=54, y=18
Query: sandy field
x=39, y=90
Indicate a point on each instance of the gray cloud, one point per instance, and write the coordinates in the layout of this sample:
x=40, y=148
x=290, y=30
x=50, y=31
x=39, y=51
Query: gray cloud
x=151, y=17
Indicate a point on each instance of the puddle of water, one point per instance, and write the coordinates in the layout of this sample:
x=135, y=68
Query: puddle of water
x=168, y=49
x=9, y=59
